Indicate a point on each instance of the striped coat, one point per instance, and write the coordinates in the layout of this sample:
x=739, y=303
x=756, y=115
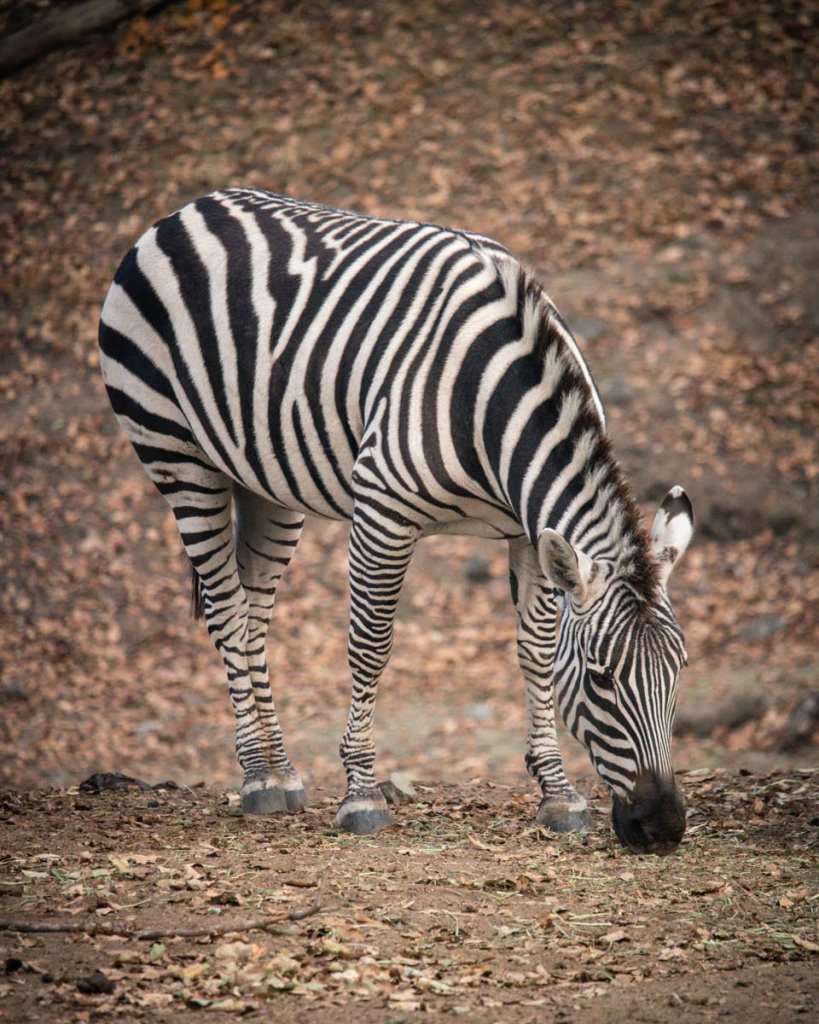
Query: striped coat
x=272, y=359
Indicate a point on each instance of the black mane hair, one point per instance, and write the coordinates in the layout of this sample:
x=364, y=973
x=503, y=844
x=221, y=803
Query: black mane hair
x=639, y=568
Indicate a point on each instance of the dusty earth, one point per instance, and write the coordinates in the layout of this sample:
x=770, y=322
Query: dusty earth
x=462, y=908
x=657, y=164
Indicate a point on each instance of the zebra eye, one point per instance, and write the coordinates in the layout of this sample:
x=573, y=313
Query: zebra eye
x=603, y=677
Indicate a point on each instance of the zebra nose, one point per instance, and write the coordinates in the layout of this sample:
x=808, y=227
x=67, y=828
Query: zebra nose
x=653, y=819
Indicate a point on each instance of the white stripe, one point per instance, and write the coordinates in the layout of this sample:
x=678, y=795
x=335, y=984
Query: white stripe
x=571, y=345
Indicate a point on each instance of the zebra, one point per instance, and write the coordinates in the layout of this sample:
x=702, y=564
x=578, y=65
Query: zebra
x=272, y=359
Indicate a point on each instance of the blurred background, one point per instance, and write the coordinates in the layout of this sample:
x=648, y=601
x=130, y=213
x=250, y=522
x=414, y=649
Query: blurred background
x=655, y=162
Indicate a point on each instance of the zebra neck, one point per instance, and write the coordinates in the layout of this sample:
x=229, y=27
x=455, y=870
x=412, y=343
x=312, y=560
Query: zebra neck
x=580, y=491
x=542, y=430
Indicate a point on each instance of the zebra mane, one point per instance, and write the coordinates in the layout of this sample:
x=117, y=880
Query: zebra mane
x=555, y=349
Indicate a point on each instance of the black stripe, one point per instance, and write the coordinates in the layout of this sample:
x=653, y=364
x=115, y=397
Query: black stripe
x=194, y=282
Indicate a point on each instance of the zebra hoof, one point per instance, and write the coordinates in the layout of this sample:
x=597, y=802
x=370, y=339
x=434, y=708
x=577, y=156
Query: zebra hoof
x=264, y=799
x=296, y=799
x=265, y=794
x=562, y=816
x=363, y=815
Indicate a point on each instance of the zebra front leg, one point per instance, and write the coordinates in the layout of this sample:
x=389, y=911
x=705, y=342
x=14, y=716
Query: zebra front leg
x=380, y=552
x=562, y=808
x=266, y=538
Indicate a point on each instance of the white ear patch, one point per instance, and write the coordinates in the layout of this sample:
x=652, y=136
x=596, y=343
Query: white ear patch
x=570, y=568
x=672, y=531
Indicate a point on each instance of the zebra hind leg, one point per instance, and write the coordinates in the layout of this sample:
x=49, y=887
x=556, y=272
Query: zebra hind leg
x=201, y=499
x=266, y=538
x=380, y=552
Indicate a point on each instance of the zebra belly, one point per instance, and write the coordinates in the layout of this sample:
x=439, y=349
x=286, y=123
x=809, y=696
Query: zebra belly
x=472, y=528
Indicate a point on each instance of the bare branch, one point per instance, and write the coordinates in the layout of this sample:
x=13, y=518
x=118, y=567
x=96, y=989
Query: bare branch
x=252, y=924
x=66, y=25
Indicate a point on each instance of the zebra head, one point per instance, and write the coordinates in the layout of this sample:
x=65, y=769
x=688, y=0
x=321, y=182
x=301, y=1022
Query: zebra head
x=619, y=658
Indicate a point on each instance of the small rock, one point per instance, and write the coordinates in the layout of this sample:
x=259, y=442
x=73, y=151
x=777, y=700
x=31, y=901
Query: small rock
x=96, y=984
x=476, y=570
x=99, y=781
x=12, y=691
x=801, y=724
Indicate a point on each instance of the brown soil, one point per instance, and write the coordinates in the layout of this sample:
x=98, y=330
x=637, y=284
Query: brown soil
x=462, y=908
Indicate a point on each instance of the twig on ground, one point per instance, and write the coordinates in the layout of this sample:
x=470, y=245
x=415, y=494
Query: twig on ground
x=253, y=924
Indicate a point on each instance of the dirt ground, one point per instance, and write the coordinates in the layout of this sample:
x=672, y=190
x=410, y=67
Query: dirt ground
x=657, y=164
x=462, y=908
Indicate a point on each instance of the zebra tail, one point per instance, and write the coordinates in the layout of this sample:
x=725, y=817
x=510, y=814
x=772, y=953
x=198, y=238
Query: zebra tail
x=197, y=595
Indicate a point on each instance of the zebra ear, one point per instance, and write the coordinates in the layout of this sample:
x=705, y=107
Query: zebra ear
x=569, y=568
x=672, y=530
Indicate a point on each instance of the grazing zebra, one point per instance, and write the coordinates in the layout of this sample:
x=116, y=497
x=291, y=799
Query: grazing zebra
x=272, y=359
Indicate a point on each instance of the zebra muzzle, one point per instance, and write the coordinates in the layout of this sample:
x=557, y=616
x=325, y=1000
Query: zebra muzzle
x=653, y=820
